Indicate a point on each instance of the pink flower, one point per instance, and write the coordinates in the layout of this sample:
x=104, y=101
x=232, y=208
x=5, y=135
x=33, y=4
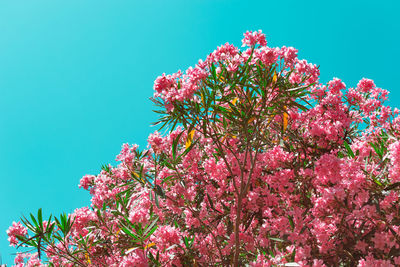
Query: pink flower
x=336, y=85
x=156, y=142
x=81, y=218
x=127, y=153
x=366, y=85
x=135, y=258
x=19, y=259
x=253, y=38
x=394, y=150
x=267, y=55
x=86, y=181
x=166, y=236
x=34, y=261
x=164, y=83
x=17, y=229
x=289, y=54
x=361, y=245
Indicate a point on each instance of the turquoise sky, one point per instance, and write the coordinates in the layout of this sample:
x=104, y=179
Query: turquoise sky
x=76, y=75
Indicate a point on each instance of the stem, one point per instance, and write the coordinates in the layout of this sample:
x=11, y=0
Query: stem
x=240, y=196
x=237, y=224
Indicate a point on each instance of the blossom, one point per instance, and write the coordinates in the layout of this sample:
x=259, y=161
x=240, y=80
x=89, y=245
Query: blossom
x=365, y=85
x=17, y=229
x=253, y=38
x=86, y=181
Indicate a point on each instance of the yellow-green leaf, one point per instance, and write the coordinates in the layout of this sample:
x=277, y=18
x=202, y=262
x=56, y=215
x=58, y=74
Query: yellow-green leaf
x=285, y=121
x=275, y=78
x=189, y=139
x=150, y=245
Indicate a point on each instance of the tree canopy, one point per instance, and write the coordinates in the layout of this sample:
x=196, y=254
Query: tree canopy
x=260, y=165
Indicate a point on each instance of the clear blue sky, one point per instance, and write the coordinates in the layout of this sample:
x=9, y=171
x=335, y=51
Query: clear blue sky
x=76, y=75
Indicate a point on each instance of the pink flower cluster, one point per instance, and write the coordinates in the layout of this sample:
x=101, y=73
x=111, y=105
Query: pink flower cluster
x=17, y=229
x=180, y=87
x=253, y=38
x=32, y=260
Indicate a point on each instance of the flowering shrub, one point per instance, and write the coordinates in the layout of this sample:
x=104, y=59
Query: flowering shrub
x=262, y=166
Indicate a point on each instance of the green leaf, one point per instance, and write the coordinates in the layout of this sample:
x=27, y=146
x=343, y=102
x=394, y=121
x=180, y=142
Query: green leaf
x=150, y=227
x=130, y=233
x=167, y=164
x=151, y=232
x=219, y=108
x=50, y=225
x=376, y=181
x=27, y=223
x=34, y=221
x=276, y=239
x=185, y=240
x=213, y=71
x=156, y=200
x=376, y=149
x=40, y=218
x=175, y=144
x=350, y=152
x=303, y=108
x=291, y=222
x=106, y=168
